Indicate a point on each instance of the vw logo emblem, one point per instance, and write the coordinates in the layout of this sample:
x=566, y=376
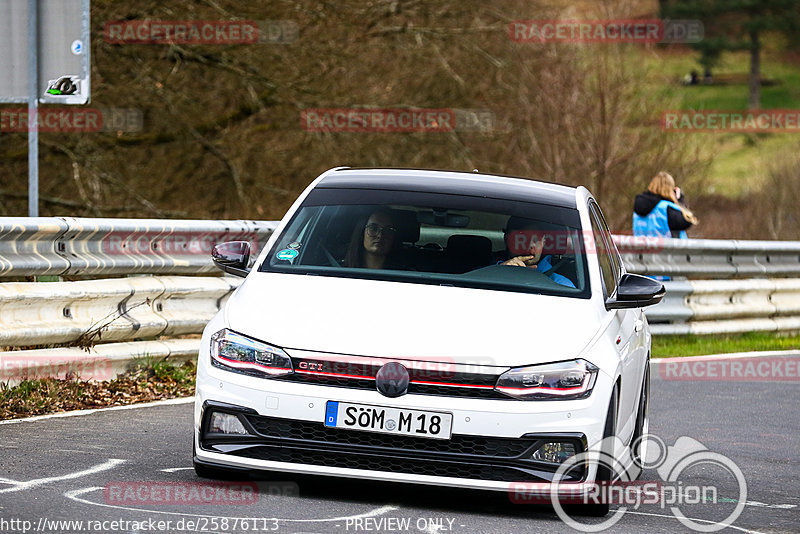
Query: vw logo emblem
x=392, y=380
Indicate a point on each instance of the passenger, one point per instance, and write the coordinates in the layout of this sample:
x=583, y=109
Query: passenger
x=659, y=211
x=373, y=241
x=524, y=235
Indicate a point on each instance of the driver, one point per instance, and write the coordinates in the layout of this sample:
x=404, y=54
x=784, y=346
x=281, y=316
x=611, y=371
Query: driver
x=525, y=247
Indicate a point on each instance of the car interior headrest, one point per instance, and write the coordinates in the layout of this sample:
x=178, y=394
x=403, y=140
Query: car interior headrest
x=407, y=225
x=469, y=245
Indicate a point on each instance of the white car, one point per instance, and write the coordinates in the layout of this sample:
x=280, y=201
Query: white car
x=432, y=327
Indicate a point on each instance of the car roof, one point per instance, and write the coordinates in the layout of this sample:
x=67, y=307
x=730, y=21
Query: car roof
x=451, y=182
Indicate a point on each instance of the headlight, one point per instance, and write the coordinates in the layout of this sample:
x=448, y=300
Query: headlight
x=235, y=352
x=573, y=379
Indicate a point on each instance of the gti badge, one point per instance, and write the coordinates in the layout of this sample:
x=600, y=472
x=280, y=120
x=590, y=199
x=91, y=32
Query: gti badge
x=392, y=380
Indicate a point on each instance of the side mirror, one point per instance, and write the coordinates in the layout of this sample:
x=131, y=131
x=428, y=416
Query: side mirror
x=232, y=257
x=636, y=291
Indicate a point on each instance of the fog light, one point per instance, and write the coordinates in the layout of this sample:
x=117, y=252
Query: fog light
x=225, y=423
x=555, y=452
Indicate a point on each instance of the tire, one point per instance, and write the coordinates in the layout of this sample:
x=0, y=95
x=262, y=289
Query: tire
x=642, y=426
x=215, y=473
x=604, y=473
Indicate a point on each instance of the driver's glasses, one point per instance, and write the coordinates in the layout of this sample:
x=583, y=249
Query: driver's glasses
x=374, y=229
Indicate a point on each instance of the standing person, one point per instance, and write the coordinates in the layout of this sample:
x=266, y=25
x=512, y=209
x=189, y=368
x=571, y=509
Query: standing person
x=660, y=211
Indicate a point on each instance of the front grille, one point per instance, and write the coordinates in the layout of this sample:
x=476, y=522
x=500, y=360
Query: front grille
x=393, y=464
x=312, y=443
x=416, y=389
x=426, y=378
x=458, y=444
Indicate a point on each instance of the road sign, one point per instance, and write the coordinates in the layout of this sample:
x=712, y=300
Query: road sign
x=62, y=58
x=44, y=57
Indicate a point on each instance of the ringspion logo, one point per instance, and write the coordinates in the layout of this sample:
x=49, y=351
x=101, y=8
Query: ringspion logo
x=683, y=470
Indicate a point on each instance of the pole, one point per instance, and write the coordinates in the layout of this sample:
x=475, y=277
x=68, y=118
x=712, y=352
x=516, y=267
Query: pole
x=33, y=106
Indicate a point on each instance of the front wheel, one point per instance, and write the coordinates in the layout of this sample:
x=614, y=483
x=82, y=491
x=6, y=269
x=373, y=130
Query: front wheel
x=638, y=445
x=604, y=471
x=215, y=473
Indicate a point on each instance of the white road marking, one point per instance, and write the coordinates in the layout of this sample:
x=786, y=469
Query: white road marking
x=765, y=505
x=698, y=520
x=184, y=400
x=75, y=496
x=20, y=486
x=174, y=469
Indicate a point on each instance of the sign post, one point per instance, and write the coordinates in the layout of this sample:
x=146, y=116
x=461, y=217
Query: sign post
x=49, y=64
x=33, y=108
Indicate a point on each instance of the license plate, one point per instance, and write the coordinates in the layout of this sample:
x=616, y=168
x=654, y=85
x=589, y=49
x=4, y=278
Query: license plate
x=387, y=420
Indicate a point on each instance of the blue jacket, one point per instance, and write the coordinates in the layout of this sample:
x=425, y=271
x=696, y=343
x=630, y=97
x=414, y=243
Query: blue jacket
x=545, y=263
x=656, y=223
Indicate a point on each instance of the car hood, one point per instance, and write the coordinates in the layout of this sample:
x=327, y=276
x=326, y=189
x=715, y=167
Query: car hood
x=410, y=321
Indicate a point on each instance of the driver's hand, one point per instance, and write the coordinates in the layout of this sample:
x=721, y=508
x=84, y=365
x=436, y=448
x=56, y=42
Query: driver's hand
x=521, y=261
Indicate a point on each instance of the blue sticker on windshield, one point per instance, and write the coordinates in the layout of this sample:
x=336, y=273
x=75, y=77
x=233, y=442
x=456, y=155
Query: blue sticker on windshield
x=286, y=254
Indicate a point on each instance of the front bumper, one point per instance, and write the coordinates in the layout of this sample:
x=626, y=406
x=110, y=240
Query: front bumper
x=490, y=448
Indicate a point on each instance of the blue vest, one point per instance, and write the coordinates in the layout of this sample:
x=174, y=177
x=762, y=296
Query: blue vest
x=656, y=223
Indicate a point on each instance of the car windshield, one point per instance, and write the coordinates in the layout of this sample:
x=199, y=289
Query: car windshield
x=429, y=238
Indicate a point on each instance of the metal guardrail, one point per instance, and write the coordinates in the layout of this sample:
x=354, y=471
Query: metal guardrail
x=97, y=311
x=82, y=246
x=709, y=258
x=94, y=315
x=105, y=315
x=727, y=306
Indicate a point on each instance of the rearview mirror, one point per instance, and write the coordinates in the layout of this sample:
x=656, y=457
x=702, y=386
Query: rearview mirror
x=232, y=257
x=636, y=291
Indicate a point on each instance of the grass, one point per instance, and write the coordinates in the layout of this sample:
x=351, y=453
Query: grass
x=738, y=160
x=691, y=345
x=740, y=168
x=146, y=381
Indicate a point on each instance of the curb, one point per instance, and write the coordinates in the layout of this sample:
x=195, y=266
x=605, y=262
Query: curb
x=74, y=413
x=729, y=356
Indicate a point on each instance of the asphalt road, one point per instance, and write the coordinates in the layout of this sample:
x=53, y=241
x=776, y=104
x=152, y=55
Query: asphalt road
x=61, y=469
